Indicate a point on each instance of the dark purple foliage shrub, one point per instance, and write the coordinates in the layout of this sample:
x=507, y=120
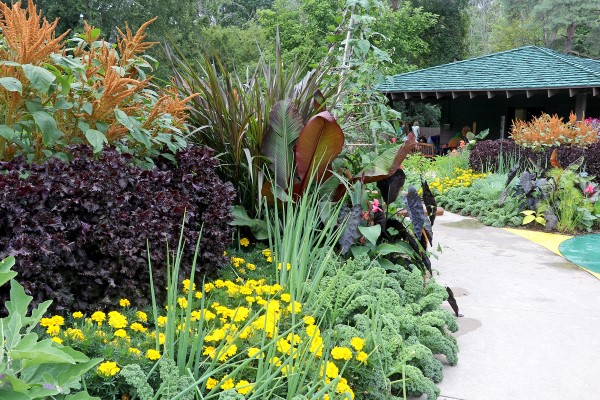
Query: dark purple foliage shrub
x=79, y=230
x=491, y=154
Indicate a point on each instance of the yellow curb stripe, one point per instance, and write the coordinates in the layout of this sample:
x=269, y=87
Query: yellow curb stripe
x=551, y=241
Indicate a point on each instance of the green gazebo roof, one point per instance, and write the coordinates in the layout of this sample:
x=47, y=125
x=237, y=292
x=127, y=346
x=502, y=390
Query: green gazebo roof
x=525, y=68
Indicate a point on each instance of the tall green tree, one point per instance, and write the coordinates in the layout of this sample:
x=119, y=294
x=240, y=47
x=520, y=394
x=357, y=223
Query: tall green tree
x=447, y=39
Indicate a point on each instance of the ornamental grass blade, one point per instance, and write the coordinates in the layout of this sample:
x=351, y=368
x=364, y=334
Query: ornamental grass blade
x=284, y=127
x=319, y=143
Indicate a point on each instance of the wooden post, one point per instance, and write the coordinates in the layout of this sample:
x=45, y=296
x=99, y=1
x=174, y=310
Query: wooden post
x=580, y=105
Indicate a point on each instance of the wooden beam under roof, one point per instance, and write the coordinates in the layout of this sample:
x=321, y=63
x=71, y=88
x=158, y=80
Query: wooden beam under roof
x=572, y=92
x=552, y=92
x=473, y=94
x=455, y=95
x=510, y=93
x=595, y=91
x=407, y=96
x=491, y=94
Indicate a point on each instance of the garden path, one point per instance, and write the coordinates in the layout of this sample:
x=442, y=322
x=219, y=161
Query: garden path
x=531, y=325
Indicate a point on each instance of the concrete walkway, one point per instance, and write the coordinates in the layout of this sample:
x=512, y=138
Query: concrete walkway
x=531, y=325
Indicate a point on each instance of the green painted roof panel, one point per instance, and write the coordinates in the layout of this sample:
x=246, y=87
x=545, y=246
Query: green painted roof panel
x=528, y=67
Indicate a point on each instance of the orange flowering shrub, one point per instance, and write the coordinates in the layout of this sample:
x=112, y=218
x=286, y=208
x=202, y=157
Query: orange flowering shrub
x=55, y=93
x=548, y=131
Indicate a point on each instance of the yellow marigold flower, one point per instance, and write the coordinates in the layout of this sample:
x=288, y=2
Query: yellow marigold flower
x=275, y=361
x=240, y=314
x=286, y=297
x=77, y=314
x=57, y=320
x=283, y=346
x=211, y=383
x=308, y=320
x=288, y=266
x=124, y=303
x=343, y=387
x=266, y=252
x=161, y=321
x=98, y=317
x=250, y=299
x=362, y=357
x=121, y=333
x=254, y=351
x=246, y=333
x=243, y=387
x=251, y=267
x=244, y=242
x=269, y=259
x=108, y=369
x=294, y=307
x=331, y=370
x=46, y=322
x=208, y=287
x=195, y=316
x=357, y=343
x=228, y=384
x=117, y=320
x=135, y=351
x=136, y=326
x=57, y=340
x=215, y=336
x=141, y=316
x=209, y=315
x=186, y=286
x=182, y=302
x=224, y=254
x=53, y=330
x=341, y=353
x=75, y=334
x=210, y=351
x=228, y=352
x=198, y=295
x=152, y=354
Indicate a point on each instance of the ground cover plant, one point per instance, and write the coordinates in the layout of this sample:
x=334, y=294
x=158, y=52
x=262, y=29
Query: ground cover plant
x=80, y=228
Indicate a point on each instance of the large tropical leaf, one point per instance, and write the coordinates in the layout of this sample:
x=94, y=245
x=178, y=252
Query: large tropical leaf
x=351, y=234
x=390, y=187
x=388, y=162
x=319, y=143
x=429, y=200
x=414, y=206
x=284, y=127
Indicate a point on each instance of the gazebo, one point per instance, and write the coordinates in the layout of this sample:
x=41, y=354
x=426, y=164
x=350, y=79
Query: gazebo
x=489, y=92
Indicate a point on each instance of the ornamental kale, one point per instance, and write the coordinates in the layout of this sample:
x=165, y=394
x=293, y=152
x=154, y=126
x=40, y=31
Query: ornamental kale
x=411, y=324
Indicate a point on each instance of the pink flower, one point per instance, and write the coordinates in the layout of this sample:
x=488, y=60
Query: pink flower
x=461, y=144
x=376, y=207
x=589, y=189
x=393, y=140
x=365, y=215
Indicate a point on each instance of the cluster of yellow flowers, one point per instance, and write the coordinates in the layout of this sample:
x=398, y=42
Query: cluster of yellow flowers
x=236, y=318
x=462, y=178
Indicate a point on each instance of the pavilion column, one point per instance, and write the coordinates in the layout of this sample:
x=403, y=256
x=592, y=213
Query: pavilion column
x=580, y=105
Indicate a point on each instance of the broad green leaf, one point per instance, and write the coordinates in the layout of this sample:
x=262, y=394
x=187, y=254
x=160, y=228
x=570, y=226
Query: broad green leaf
x=7, y=133
x=358, y=250
x=11, y=84
x=39, y=78
x=285, y=124
x=81, y=396
x=257, y=226
x=372, y=233
x=37, y=314
x=124, y=119
x=47, y=125
x=528, y=212
x=528, y=219
x=540, y=220
x=96, y=139
x=19, y=301
x=319, y=143
x=388, y=248
x=388, y=162
x=6, y=274
x=42, y=352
